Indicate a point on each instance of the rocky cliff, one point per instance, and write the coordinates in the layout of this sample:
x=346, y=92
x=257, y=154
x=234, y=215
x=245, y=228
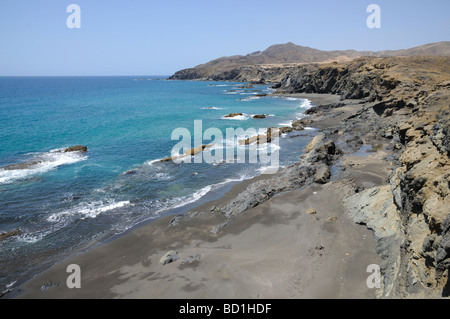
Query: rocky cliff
x=406, y=106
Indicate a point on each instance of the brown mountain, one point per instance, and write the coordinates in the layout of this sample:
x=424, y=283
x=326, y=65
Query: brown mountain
x=290, y=54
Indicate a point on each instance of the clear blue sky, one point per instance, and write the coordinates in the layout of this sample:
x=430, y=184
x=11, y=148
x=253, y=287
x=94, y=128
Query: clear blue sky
x=150, y=37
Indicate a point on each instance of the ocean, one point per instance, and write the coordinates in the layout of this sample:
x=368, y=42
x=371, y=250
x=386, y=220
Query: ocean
x=61, y=203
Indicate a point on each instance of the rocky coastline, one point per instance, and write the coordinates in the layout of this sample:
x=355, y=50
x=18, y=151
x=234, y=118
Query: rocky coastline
x=401, y=109
x=380, y=159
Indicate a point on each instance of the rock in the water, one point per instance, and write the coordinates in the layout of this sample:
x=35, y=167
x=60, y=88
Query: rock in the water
x=190, y=152
x=233, y=115
x=259, y=116
x=12, y=233
x=170, y=257
x=77, y=148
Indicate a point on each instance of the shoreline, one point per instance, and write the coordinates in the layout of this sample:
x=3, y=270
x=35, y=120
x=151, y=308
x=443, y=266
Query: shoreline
x=187, y=225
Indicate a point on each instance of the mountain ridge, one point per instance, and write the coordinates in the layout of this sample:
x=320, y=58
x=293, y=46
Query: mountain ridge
x=290, y=54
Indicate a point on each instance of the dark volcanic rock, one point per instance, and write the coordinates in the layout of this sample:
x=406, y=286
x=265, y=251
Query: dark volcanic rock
x=9, y=234
x=77, y=148
x=259, y=116
x=233, y=115
x=322, y=175
x=26, y=165
x=443, y=252
x=291, y=178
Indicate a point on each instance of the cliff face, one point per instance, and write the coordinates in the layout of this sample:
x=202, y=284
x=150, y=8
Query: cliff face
x=410, y=100
x=252, y=73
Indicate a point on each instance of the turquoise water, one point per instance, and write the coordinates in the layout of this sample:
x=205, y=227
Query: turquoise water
x=70, y=201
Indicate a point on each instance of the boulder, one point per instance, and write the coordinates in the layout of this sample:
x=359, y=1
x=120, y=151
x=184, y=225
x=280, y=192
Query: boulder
x=169, y=257
x=322, y=175
x=320, y=150
x=315, y=142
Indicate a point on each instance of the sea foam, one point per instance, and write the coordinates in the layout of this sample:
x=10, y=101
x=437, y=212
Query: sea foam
x=41, y=163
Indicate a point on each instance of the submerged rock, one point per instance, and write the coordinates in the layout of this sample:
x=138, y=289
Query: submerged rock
x=25, y=165
x=9, y=234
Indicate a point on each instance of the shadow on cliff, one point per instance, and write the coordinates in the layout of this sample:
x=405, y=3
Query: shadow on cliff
x=446, y=290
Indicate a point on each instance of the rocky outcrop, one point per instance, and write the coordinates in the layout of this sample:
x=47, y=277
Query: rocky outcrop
x=190, y=152
x=38, y=160
x=266, y=138
x=291, y=178
x=259, y=116
x=169, y=257
x=77, y=148
x=231, y=115
x=313, y=168
x=321, y=150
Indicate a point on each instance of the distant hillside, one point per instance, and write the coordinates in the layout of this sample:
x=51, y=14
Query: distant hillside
x=290, y=54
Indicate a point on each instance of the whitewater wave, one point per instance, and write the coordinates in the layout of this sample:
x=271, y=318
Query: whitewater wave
x=250, y=98
x=306, y=104
x=39, y=163
x=87, y=210
x=243, y=117
x=212, y=108
x=232, y=92
x=286, y=124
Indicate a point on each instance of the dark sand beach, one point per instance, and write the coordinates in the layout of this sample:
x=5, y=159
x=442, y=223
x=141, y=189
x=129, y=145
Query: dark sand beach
x=297, y=244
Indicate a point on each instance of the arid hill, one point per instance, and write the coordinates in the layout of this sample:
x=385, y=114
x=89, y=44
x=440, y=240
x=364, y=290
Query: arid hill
x=267, y=65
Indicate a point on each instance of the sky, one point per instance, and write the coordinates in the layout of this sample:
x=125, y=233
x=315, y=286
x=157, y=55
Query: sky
x=151, y=37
